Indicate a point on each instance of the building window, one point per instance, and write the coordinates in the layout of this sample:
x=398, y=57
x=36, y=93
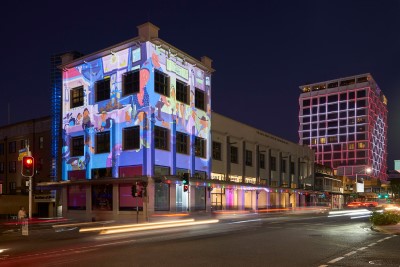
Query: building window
x=103, y=90
x=41, y=141
x=130, y=82
x=1, y=167
x=283, y=165
x=131, y=138
x=2, y=149
x=322, y=140
x=350, y=146
x=199, y=99
x=182, y=143
x=77, y=146
x=292, y=168
x=273, y=164
x=314, y=141
x=200, y=147
x=161, y=82
x=234, y=154
x=161, y=138
x=22, y=144
x=249, y=158
x=262, y=161
x=102, y=142
x=12, y=147
x=361, y=145
x=76, y=97
x=12, y=167
x=217, y=151
x=101, y=173
x=182, y=92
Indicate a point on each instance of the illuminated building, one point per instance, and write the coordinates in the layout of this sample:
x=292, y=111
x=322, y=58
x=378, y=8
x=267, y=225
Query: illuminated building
x=345, y=122
x=136, y=113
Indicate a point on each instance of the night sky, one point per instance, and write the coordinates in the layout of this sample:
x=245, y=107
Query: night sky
x=262, y=52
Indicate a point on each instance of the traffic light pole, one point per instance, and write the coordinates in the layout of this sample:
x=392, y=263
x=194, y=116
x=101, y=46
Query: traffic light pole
x=30, y=197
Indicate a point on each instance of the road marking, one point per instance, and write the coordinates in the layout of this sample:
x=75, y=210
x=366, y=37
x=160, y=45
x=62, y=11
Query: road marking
x=336, y=260
x=323, y=265
x=380, y=240
x=372, y=244
x=350, y=253
x=362, y=248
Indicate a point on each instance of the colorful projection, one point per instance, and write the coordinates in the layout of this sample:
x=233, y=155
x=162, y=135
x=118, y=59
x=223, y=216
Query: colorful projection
x=145, y=108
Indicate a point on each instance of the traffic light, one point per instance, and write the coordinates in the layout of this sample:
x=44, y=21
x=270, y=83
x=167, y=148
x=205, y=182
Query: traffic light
x=133, y=190
x=185, y=182
x=139, y=189
x=28, y=168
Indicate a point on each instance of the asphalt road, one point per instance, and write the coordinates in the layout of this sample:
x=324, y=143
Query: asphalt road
x=286, y=240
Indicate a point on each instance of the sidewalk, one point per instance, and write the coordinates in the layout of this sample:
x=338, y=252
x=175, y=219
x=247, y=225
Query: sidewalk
x=388, y=229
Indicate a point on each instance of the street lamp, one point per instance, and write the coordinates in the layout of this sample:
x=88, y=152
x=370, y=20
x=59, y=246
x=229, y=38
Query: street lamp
x=367, y=170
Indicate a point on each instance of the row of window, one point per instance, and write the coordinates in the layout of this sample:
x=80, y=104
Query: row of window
x=336, y=107
x=344, y=118
x=334, y=98
x=12, y=146
x=331, y=131
x=131, y=140
x=333, y=139
x=234, y=157
x=131, y=85
x=12, y=166
x=344, y=155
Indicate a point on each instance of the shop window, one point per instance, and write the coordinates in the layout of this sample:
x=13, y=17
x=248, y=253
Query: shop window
x=161, y=197
x=102, y=197
x=100, y=173
x=76, y=197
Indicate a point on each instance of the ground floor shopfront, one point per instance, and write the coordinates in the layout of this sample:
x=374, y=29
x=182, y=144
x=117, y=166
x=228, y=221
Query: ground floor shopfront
x=111, y=199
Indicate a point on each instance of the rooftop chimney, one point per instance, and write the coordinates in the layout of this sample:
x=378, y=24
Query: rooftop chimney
x=147, y=31
x=206, y=61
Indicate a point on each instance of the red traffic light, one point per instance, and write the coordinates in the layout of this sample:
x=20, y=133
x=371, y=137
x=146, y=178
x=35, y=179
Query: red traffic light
x=185, y=188
x=28, y=166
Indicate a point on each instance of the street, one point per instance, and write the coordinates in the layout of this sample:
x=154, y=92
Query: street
x=252, y=240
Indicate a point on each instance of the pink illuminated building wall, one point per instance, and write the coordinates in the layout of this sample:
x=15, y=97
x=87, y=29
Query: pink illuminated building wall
x=345, y=122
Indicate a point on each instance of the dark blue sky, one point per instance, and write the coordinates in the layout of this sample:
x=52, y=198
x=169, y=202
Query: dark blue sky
x=262, y=51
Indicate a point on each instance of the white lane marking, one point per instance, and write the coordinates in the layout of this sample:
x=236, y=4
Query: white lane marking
x=380, y=240
x=372, y=244
x=336, y=260
x=362, y=248
x=350, y=253
x=323, y=265
x=256, y=220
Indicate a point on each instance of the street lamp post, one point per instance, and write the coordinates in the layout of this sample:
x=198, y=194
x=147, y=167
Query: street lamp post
x=367, y=170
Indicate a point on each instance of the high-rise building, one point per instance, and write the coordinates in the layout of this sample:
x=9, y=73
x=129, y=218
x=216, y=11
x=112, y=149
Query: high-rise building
x=345, y=122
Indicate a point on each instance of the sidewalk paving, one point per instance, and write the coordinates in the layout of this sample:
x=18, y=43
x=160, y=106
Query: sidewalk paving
x=388, y=229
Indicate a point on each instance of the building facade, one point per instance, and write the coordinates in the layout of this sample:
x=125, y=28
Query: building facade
x=15, y=142
x=135, y=114
x=252, y=169
x=345, y=122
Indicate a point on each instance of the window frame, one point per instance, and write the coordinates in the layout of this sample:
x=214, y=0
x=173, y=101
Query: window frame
x=131, y=82
x=131, y=138
x=261, y=160
x=249, y=158
x=234, y=154
x=161, y=138
x=216, y=150
x=103, y=89
x=102, y=143
x=182, y=92
x=77, y=97
x=199, y=99
x=182, y=143
x=77, y=146
x=200, y=147
x=161, y=86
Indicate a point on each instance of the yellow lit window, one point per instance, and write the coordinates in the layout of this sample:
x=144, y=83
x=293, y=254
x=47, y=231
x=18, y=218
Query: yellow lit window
x=314, y=141
x=361, y=145
x=351, y=146
x=322, y=140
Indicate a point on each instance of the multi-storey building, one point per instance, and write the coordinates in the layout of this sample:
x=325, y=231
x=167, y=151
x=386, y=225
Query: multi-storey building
x=345, y=122
x=252, y=169
x=15, y=142
x=138, y=112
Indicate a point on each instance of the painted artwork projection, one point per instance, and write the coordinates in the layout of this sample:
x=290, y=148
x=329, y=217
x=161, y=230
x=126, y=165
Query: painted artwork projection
x=143, y=87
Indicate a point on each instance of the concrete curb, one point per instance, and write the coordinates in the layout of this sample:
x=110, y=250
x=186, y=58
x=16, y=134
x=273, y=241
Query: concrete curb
x=387, y=229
